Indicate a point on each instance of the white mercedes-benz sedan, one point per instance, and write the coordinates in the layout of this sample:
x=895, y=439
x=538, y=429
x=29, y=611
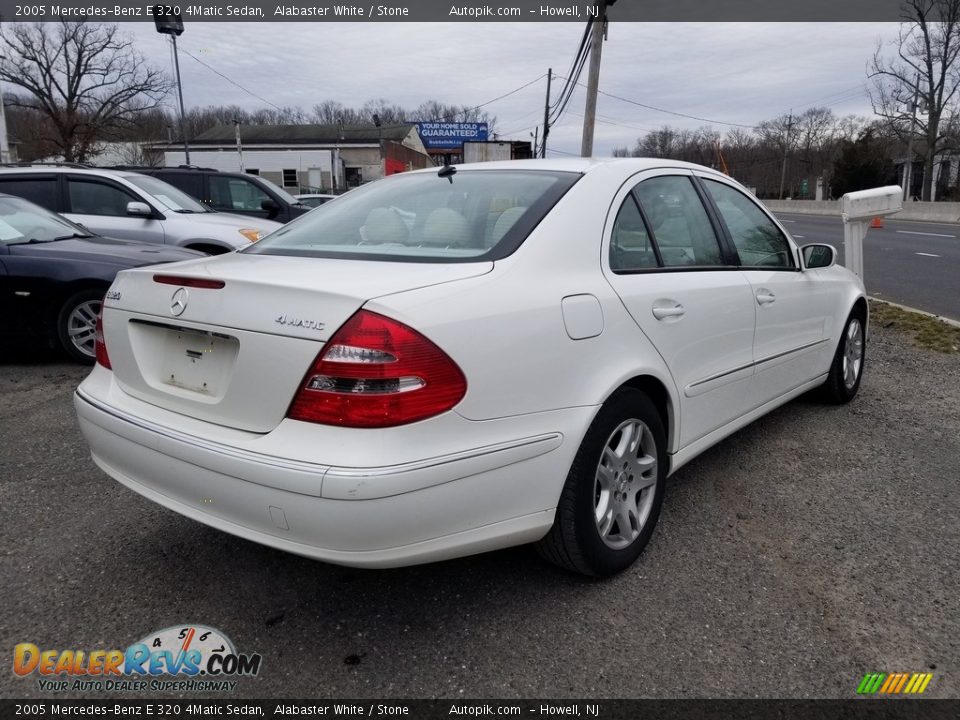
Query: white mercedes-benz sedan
x=455, y=360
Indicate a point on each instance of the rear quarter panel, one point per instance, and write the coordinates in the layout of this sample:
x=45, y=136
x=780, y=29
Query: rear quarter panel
x=506, y=329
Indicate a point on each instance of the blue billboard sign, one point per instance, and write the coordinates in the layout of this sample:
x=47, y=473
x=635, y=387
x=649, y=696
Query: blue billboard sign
x=445, y=135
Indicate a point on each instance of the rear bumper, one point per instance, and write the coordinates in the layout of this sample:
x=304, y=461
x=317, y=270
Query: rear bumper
x=485, y=496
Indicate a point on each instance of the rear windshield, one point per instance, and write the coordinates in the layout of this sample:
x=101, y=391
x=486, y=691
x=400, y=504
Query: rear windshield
x=466, y=216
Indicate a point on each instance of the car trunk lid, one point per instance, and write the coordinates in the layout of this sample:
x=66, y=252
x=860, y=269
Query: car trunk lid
x=228, y=340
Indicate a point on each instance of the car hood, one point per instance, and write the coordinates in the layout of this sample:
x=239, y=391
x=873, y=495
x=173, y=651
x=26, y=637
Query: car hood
x=226, y=220
x=108, y=251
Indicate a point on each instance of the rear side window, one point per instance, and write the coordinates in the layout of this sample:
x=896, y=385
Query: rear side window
x=630, y=245
x=39, y=190
x=758, y=240
x=680, y=225
x=461, y=217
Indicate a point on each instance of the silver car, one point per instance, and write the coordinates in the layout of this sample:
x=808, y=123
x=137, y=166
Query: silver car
x=132, y=206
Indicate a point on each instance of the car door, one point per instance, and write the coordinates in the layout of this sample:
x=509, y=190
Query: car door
x=24, y=293
x=665, y=261
x=7, y=316
x=793, y=307
x=100, y=204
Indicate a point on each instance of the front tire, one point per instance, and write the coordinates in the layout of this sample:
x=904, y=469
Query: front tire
x=77, y=324
x=612, y=496
x=843, y=382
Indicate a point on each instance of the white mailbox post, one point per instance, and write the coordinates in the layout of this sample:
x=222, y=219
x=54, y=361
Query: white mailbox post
x=857, y=210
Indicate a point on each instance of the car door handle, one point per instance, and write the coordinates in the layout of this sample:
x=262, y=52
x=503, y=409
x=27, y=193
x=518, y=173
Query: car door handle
x=765, y=297
x=665, y=311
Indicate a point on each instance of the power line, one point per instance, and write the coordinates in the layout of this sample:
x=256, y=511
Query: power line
x=576, y=68
x=233, y=82
x=670, y=112
x=289, y=114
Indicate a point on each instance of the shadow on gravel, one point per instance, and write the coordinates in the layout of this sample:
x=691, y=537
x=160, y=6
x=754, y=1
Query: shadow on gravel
x=31, y=356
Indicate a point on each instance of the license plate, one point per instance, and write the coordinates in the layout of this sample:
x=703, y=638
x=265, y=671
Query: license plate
x=197, y=361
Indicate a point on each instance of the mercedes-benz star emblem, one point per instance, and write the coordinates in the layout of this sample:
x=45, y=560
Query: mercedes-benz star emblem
x=178, y=303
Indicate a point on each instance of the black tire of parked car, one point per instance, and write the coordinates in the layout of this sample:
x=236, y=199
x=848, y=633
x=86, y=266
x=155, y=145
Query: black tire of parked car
x=574, y=542
x=836, y=389
x=92, y=298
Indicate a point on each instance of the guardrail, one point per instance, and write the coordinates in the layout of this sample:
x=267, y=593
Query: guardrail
x=945, y=212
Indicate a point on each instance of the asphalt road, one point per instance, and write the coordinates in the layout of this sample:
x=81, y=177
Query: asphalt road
x=817, y=545
x=911, y=263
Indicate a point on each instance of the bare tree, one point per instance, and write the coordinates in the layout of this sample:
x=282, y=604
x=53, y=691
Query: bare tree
x=85, y=80
x=925, y=66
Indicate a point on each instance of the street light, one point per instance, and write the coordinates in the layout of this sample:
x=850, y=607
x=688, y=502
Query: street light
x=169, y=23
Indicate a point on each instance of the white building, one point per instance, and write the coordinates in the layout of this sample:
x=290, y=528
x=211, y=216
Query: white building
x=304, y=157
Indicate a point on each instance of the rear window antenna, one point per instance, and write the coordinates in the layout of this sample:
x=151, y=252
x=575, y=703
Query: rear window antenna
x=447, y=171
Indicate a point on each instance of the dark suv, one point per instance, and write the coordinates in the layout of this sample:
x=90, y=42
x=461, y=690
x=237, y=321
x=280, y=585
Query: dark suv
x=236, y=193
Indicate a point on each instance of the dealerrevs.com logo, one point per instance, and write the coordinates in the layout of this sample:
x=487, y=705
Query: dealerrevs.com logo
x=182, y=658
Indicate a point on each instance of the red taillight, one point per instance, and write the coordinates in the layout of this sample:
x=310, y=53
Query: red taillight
x=100, y=344
x=189, y=282
x=376, y=372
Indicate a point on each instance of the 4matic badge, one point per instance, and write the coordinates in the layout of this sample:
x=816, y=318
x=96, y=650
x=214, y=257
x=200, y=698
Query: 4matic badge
x=300, y=322
x=187, y=657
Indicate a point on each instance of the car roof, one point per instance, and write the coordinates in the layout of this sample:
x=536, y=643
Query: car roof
x=578, y=165
x=47, y=169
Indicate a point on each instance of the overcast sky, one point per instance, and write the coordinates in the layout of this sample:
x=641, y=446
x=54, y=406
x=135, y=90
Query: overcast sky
x=735, y=73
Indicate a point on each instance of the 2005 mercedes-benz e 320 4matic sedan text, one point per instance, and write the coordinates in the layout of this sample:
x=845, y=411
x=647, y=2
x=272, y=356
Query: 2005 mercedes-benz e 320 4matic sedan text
x=447, y=362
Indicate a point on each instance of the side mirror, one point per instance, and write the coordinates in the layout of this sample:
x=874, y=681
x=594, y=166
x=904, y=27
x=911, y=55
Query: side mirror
x=271, y=208
x=818, y=256
x=139, y=209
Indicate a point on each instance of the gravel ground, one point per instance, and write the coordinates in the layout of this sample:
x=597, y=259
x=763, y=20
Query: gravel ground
x=817, y=545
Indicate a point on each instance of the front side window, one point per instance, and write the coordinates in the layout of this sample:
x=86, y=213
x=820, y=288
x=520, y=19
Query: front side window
x=758, y=240
x=424, y=217
x=231, y=194
x=90, y=197
x=679, y=222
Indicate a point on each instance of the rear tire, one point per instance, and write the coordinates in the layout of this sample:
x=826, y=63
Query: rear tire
x=611, y=499
x=77, y=324
x=843, y=382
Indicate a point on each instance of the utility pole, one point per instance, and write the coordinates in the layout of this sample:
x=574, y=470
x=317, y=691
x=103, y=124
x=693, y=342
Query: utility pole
x=183, y=123
x=236, y=126
x=546, y=115
x=170, y=23
x=535, y=135
x=593, y=80
x=4, y=146
x=908, y=164
x=786, y=147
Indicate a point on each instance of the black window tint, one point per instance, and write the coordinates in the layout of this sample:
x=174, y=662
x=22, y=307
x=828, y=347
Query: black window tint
x=758, y=240
x=89, y=197
x=679, y=222
x=190, y=183
x=39, y=190
x=630, y=246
